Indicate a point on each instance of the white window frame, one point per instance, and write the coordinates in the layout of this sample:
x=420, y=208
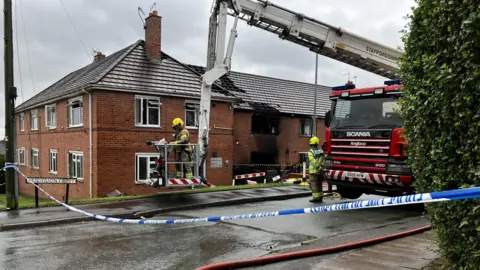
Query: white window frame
x=35, y=153
x=197, y=112
x=137, y=171
x=311, y=126
x=34, y=119
x=21, y=149
x=22, y=121
x=71, y=102
x=75, y=154
x=142, y=97
x=53, y=124
x=52, y=155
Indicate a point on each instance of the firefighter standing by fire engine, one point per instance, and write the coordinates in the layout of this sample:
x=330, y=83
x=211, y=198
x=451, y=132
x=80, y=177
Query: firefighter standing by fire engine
x=182, y=152
x=315, y=169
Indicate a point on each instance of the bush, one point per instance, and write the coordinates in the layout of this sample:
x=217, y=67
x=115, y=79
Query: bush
x=441, y=112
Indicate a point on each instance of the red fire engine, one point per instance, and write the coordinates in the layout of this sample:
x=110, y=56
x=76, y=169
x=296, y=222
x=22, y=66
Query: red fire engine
x=364, y=143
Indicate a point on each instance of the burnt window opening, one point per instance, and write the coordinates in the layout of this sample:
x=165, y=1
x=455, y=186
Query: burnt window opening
x=262, y=124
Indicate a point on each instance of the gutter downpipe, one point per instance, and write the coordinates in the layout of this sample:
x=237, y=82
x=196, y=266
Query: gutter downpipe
x=90, y=135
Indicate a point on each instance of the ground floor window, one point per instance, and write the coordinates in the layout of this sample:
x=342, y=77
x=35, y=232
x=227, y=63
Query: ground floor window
x=144, y=165
x=53, y=161
x=35, y=161
x=75, y=165
x=21, y=156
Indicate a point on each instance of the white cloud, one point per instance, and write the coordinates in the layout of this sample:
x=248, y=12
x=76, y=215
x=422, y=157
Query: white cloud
x=109, y=26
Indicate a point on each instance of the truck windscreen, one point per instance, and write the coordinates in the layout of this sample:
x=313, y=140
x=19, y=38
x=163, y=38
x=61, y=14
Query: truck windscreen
x=374, y=112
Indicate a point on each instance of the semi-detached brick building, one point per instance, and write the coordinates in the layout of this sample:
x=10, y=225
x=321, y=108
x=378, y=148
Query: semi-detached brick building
x=93, y=123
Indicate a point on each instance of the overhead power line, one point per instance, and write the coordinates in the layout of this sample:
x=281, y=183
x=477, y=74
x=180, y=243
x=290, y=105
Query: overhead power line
x=75, y=29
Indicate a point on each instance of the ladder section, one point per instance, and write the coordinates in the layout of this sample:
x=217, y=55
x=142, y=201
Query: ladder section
x=319, y=37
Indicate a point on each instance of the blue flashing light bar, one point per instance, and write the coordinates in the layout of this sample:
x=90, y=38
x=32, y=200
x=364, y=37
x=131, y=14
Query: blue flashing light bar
x=343, y=87
x=393, y=82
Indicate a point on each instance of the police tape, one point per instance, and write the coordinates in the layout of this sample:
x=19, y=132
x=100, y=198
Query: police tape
x=440, y=196
x=268, y=165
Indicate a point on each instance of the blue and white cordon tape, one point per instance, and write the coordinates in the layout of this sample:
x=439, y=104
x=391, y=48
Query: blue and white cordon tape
x=449, y=195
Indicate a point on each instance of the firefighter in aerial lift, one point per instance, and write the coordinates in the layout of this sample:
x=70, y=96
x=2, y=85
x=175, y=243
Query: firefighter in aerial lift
x=315, y=168
x=183, y=152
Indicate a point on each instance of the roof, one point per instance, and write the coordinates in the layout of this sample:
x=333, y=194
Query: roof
x=131, y=69
x=267, y=94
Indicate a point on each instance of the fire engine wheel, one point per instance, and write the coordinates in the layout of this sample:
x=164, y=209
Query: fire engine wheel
x=349, y=193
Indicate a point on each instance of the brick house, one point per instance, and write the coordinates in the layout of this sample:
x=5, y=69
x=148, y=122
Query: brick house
x=93, y=123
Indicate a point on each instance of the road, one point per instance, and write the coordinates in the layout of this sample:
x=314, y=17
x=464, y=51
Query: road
x=102, y=245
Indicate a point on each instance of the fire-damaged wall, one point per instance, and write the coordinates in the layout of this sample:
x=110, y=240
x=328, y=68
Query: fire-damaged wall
x=281, y=140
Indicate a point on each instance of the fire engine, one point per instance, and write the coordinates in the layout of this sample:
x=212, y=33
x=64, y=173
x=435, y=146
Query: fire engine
x=364, y=147
x=364, y=143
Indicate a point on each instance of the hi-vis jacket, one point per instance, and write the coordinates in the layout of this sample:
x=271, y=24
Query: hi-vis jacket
x=315, y=160
x=183, y=137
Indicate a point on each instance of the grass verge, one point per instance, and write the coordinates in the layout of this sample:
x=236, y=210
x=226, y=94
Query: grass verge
x=27, y=202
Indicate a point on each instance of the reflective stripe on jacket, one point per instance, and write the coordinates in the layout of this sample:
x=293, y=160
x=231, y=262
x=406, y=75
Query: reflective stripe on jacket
x=315, y=160
x=183, y=137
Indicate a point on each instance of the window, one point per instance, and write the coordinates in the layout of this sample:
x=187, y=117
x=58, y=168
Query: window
x=376, y=112
x=144, y=165
x=52, y=161
x=34, y=120
x=192, y=110
x=75, y=165
x=22, y=122
x=21, y=156
x=50, y=116
x=306, y=126
x=265, y=124
x=75, y=112
x=35, y=153
x=303, y=157
x=147, y=111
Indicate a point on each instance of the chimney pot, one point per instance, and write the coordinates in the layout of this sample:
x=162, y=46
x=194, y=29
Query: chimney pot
x=153, y=35
x=99, y=56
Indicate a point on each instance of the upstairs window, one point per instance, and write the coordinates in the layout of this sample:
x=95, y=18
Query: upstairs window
x=75, y=112
x=51, y=116
x=262, y=124
x=22, y=122
x=147, y=111
x=306, y=127
x=34, y=120
x=192, y=110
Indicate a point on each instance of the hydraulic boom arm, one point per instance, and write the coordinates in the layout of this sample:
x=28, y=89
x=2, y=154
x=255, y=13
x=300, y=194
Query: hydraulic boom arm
x=317, y=36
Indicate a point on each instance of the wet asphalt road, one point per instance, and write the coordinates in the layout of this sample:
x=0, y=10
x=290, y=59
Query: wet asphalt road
x=102, y=245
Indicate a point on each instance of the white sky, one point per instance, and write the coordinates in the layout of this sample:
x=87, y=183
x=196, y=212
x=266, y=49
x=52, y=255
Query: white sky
x=54, y=49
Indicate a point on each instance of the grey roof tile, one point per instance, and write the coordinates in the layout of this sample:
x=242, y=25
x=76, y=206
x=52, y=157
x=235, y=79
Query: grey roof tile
x=131, y=69
x=261, y=93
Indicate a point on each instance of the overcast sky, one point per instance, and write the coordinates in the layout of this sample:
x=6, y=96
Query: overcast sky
x=110, y=25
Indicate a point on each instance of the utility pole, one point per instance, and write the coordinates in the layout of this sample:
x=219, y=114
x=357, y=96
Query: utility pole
x=314, y=131
x=10, y=96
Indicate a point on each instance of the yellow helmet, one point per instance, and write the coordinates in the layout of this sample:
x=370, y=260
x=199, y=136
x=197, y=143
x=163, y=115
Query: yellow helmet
x=177, y=121
x=314, y=140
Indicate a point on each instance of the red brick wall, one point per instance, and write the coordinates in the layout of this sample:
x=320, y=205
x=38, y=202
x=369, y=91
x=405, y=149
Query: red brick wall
x=63, y=139
x=117, y=140
x=288, y=143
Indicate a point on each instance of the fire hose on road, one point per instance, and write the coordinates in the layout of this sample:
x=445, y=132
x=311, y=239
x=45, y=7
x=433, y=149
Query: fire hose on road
x=311, y=252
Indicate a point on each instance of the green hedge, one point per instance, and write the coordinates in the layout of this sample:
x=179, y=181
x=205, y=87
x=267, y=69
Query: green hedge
x=441, y=112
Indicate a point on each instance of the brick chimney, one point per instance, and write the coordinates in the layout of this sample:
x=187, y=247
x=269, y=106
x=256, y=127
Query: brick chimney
x=153, y=35
x=99, y=56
